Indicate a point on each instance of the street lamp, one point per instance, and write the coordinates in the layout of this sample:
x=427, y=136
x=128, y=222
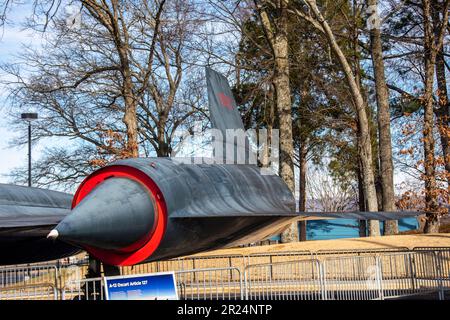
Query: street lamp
x=29, y=117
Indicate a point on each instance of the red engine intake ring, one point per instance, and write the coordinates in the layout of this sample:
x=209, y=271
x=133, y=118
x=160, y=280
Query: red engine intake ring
x=155, y=235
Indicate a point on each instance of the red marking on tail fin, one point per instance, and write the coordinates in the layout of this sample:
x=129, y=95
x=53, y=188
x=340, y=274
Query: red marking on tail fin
x=225, y=101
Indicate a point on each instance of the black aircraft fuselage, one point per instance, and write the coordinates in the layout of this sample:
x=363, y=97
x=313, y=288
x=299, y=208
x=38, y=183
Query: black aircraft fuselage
x=26, y=216
x=146, y=209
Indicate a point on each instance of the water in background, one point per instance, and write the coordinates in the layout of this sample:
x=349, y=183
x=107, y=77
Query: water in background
x=346, y=228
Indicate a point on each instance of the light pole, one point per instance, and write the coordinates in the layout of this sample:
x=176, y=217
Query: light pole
x=29, y=117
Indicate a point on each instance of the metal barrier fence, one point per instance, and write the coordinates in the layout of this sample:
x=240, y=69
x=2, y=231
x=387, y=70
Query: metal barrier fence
x=412, y=273
x=84, y=289
x=291, y=280
x=188, y=263
x=44, y=291
x=324, y=254
x=274, y=257
x=26, y=276
x=210, y=284
x=298, y=275
x=444, y=258
x=351, y=278
x=384, y=276
x=199, y=284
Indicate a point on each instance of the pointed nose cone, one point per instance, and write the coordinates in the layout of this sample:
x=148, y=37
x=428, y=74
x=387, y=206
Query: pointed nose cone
x=118, y=215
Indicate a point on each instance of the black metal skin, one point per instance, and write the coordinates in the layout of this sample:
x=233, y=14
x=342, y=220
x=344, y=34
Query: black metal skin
x=26, y=217
x=188, y=236
x=208, y=206
x=216, y=206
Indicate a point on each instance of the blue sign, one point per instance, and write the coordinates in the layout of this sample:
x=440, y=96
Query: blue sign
x=153, y=286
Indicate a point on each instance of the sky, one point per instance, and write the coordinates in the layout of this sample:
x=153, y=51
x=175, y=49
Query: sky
x=13, y=37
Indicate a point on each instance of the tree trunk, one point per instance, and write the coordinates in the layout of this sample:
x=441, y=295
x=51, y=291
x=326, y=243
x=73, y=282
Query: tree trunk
x=269, y=119
x=364, y=141
x=283, y=98
x=163, y=147
x=362, y=205
x=302, y=189
x=384, y=127
x=278, y=40
x=130, y=121
x=129, y=118
x=443, y=110
x=431, y=201
x=120, y=37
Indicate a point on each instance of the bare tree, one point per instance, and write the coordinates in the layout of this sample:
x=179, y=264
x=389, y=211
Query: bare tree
x=326, y=195
x=112, y=85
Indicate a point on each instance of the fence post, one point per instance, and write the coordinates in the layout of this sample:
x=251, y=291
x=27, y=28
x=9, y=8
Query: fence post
x=271, y=267
x=246, y=282
x=240, y=284
x=58, y=279
x=379, y=266
x=438, y=259
x=55, y=293
x=412, y=266
x=322, y=281
x=193, y=267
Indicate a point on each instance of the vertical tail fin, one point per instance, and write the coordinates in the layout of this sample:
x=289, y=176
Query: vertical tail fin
x=222, y=106
x=225, y=116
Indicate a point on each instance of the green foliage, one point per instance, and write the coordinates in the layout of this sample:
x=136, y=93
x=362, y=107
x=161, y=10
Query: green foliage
x=320, y=98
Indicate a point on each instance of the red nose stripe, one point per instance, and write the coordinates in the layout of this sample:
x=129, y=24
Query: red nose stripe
x=143, y=248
